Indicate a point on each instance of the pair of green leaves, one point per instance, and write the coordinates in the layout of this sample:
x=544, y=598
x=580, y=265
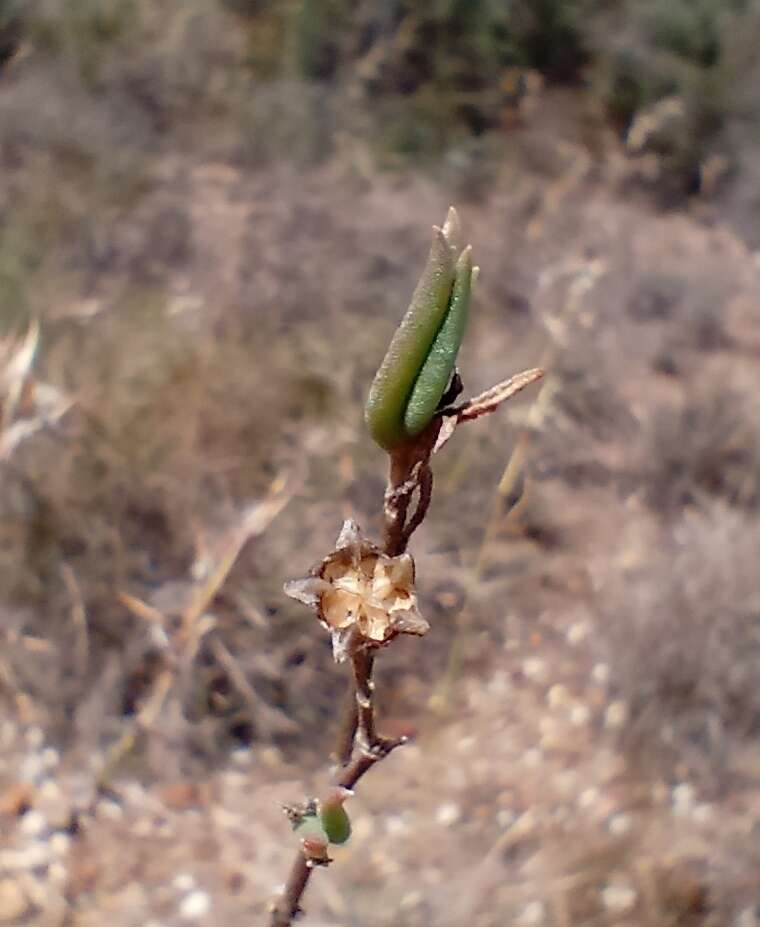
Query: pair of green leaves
x=421, y=359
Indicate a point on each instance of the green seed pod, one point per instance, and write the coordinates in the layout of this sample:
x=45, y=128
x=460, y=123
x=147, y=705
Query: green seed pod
x=436, y=372
x=335, y=821
x=409, y=347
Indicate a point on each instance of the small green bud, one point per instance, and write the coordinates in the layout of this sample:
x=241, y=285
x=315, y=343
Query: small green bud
x=333, y=815
x=419, y=363
x=310, y=825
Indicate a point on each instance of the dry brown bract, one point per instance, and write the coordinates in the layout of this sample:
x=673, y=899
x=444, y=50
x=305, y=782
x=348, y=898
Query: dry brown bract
x=361, y=595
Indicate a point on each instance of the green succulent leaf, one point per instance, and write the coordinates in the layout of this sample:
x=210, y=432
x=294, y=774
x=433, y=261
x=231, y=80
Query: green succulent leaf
x=440, y=362
x=420, y=360
x=310, y=825
x=335, y=821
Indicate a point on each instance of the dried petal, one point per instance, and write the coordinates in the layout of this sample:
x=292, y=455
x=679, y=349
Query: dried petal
x=401, y=571
x=350, y=538
x=483, y=404
x=492, y=398
x=308, y=591
x=361, y=595
x=411, y=622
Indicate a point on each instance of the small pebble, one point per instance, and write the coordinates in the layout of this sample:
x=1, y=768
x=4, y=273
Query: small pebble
x=13, y=901
x=505, y=818
x=683, y=797
x=580, y=715
x=60, y=844
x=577, y=632
x=499, y=684
x=448, y=814
x=110, y=810
x=588, y=797
x=242, y=757
x=195, y=906
x=134, y=793
x=49, y=790
x=184, y=882
x=57, y=873
x=619, y=824
x=412, y=900
x=601, y=674
x=34, y=856
x=702, y=813
x=32, y=768
x=33, y=824
x=535, y=668
x=532, y=914
x=558, y=696
x=616, y=715
x=619, y=899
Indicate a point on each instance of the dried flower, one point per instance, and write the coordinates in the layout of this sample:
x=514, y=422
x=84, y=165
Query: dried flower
x=361, y=595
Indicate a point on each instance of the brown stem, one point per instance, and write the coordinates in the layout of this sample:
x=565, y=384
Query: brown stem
x=363, y=661
x=288, y=905
x=409, y=472
x=426, y=492
x=398, y=495
x=344, y=746
x=365, y=760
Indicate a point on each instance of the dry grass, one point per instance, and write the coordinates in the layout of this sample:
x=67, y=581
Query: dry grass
x=215, y=325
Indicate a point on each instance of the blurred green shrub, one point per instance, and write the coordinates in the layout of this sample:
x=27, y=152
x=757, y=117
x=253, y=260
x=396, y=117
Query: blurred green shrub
x=446, y=58
x=687, y=51
x=319, y=30
x=10, y=29
x=82, y=30
x=416, y=77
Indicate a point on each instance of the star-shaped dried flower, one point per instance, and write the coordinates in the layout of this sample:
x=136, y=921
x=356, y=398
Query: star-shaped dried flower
x=361, y=595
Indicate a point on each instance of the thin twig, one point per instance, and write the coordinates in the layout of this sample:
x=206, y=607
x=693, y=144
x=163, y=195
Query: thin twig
x=349, y=722
x=362, y=663
x=405, y=477
x=426, y=492
x=288, y=905
x=410, y=473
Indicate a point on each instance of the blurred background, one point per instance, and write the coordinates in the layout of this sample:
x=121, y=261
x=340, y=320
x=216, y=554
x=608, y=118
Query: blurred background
x=212, y=215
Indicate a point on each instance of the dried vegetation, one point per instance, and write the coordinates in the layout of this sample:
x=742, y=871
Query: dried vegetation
x=209, y=320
